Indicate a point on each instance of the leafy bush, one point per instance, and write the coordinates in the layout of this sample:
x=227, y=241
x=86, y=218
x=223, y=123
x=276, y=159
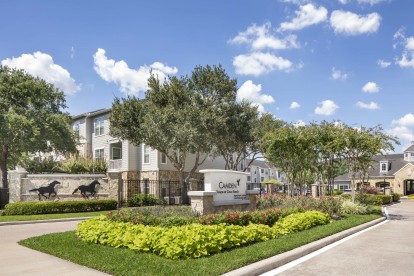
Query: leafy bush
x=144, y=200
x=164, y=216
x=370, y=199
x=47, y=207
x=40, y=165
x=367, y=189
x=350, y=208
x=328, y=204
x=80, y=164
x=301, y=221
x=396, y=197
x=337, y=192
x=193, y=240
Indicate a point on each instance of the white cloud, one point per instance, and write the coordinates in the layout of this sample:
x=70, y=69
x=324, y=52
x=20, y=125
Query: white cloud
x=349, y=23
x=407, y=57
x=72, y=52
x=383, y=64
x=370, y=87
x=371, y=2
x=42, y=65
x=130, y=81
x=299, y=123
x=258, y=63
x=307, y=15
x=403, y=128
x=297, y=2
x=338, y=75
x=253, y=93
x=370, y=106
x=407, y=120
x=261, y=37
x=294, y=105
x=343, y=1
x=403, y=133
x=326, y=108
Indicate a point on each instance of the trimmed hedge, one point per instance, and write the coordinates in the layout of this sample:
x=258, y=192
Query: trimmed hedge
x=47, y=207
x=144, y=200
x=370, y=199
x=396, y=197
x=193, y=240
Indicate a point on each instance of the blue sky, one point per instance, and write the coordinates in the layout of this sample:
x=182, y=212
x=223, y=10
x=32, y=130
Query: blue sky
x=303, y=61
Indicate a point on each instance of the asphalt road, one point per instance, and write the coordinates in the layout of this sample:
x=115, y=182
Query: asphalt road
x=16, y=260
x=384, y=250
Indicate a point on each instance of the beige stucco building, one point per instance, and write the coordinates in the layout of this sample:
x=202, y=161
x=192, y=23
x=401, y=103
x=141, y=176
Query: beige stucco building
x=392, y=170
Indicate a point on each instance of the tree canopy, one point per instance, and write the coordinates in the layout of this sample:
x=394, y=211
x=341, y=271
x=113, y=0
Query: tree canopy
x=31, y=119
x=323, y=149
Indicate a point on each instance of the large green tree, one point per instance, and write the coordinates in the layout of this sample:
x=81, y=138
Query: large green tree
x=178, y=117
x=31, y=119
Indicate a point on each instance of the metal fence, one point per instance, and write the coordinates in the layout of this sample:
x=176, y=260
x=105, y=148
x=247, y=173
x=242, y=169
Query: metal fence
x=168, y=190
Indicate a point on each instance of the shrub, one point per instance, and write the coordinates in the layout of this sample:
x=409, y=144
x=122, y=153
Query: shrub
x=396, y=197
x=367, y=189
x=40, y=165
x=47, y=207
x=80, y=164
x=144, y=200
x=193, y=240
x=350, y=208
x=165, y=216
x=328, y=204
x=337, y=192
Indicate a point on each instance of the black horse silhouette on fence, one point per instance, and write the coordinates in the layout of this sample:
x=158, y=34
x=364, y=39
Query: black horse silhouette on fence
x=87, y=188
x=49, y=189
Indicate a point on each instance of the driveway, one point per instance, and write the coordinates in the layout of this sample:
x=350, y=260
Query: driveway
x=384, y=250
x=19, y=260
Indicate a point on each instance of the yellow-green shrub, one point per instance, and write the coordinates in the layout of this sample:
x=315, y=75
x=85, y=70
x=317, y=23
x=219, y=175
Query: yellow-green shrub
x=194, y=240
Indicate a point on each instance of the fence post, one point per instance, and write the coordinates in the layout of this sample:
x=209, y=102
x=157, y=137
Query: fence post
x=115, y=186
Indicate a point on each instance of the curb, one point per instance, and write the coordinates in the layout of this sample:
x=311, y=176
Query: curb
x=42, y=221
x=284, y=258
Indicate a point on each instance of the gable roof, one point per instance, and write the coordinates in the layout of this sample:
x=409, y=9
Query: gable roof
x=92, y=113
x=397, y=163
x=410, y=148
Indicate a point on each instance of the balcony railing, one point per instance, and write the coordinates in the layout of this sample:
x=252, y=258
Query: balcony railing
x=115, y=164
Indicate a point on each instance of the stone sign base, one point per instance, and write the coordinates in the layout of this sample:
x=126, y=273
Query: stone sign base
x=203, y=203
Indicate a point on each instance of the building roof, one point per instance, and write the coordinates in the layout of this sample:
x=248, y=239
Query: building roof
x=397, y=162
x=92, y=113
x=410, y=148
x=260, y=163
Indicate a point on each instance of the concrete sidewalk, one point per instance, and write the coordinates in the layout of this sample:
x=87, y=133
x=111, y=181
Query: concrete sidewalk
x=19, y=260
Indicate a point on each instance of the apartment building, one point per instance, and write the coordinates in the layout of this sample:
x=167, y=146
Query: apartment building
x=141, y=161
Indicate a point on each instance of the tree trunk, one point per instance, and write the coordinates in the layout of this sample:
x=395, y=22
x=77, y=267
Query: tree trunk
x=3, y=167
x=184, y=196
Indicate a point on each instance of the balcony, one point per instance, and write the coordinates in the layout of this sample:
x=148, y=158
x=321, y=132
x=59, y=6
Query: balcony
x=115, y=165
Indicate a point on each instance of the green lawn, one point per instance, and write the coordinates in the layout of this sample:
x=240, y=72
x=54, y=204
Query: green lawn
x=121, y=261
x=50, y=216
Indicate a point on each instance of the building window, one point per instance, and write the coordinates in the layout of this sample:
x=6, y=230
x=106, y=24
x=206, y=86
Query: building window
x=261, y=179
x=412, y=154
x=267, y=172
x=248, y=178
x=241, y=165
x=146, y=154
x=278, y=174
x=163, y=158
x=99, y=154
x=99, y=126
x=255, y=180
x=261, y=170
x=248, y=170
x=383, y=167
x=116, y=153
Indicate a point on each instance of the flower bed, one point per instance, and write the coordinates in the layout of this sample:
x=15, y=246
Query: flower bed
x=194, y=240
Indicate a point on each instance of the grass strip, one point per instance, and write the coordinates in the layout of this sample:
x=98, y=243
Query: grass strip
x=121, y=261
x=50, y=216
